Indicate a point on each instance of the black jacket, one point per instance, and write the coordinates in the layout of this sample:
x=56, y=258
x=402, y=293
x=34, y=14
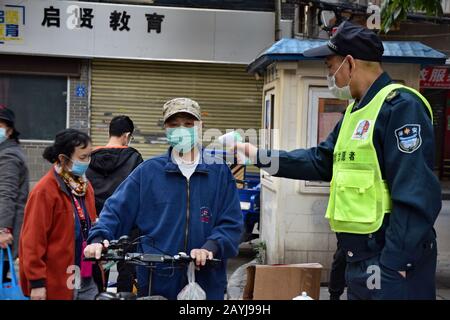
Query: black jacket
x=108, y=168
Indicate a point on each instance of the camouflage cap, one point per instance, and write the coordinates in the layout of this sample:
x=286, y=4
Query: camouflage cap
x=179, y=105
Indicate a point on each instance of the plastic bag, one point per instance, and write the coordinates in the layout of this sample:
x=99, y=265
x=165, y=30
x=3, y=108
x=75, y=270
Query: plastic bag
x=9, y=290
x=238, y=280
x=192, y=291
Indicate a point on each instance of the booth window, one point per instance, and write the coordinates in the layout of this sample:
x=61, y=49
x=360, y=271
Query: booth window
x=39, y=102
x=268, y=120
x=324, y=112
x=330, y=112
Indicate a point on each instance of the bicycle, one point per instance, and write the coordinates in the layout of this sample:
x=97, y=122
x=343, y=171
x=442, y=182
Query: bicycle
x=118, y=251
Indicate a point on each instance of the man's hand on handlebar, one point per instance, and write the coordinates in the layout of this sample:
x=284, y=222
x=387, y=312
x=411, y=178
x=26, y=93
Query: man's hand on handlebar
x=95, y=250
x=118, y=250
x=200, y=256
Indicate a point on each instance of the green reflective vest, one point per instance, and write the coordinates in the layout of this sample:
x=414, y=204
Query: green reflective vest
x=359, y=197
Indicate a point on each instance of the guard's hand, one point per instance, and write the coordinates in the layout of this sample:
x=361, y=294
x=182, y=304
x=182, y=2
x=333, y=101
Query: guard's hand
x=6, y=238
x=38, y=294
x=402, y=273
x=200, y=256
x=247, y=149
x=95, y=250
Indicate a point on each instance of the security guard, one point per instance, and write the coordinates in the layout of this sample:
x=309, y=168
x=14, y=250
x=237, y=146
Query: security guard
x=384, y=196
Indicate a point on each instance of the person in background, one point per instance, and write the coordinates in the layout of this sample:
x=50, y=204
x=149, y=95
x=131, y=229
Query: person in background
x=110, y=165
x=58, y=216
x=14, y=180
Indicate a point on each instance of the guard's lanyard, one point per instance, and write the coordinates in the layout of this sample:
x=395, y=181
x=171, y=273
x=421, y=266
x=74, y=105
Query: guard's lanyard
x=82, y=218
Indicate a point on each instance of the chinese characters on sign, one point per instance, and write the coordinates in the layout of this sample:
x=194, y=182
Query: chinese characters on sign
x=51, y=17
x=119, y=20
x=12, y=19
x=435, y=77
x=83, y=18
x=154, y=22
x=112, y=29
x=86, y=18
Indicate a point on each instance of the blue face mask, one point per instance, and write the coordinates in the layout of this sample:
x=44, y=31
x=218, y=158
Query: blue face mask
x=79, y=167
x=182, y=139
x=2, y=134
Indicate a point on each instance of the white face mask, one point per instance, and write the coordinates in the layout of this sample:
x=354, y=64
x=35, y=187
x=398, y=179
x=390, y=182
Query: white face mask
x=343, y=93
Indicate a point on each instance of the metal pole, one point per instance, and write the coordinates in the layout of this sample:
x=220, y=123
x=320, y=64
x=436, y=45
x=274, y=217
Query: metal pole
x=296, y=23
x=277, y=20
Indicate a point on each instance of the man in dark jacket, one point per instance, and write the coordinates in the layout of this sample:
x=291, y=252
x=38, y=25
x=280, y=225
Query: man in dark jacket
x=109, y=166
x=13, y=182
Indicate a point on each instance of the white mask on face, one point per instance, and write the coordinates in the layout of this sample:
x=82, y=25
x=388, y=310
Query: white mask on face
x=343, y=93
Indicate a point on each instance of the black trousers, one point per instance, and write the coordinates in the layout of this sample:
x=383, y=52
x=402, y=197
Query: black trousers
x=126, y=272
x=336, y=285
x=5, y=270
x=125, y=277
x=368, y=279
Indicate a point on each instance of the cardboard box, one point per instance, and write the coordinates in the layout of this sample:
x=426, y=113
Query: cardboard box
x=282, y=282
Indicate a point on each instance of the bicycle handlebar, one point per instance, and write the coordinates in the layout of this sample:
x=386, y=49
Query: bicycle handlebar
x=117, y=251
x=149, y=258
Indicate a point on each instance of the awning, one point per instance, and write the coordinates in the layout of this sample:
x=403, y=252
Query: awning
x=394, y=51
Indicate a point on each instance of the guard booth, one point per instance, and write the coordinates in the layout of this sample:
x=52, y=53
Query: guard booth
x=302, y=111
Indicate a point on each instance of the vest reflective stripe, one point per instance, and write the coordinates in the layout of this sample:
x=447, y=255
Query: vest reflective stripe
x=359, y=197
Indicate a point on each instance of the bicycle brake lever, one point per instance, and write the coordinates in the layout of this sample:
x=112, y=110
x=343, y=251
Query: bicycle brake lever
x=114, y=245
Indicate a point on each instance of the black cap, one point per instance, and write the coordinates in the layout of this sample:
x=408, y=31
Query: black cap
x=7, y=114
x=350, y=39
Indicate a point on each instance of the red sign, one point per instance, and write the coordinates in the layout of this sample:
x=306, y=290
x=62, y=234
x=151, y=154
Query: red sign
x=435, y=77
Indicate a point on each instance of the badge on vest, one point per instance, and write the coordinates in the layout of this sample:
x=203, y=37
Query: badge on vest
x=362, y=130
x=408, y=138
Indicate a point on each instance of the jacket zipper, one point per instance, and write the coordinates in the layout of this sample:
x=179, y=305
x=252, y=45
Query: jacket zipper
x=186, y=233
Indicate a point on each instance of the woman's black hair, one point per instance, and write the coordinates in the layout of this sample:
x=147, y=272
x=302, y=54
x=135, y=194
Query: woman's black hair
x=65, y=143
x=15, y=135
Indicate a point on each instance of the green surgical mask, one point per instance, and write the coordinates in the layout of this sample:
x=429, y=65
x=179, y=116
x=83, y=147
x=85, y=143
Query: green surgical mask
x=182, y=139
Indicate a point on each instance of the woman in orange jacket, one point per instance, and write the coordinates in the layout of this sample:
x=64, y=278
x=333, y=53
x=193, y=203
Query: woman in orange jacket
x=58, y=215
